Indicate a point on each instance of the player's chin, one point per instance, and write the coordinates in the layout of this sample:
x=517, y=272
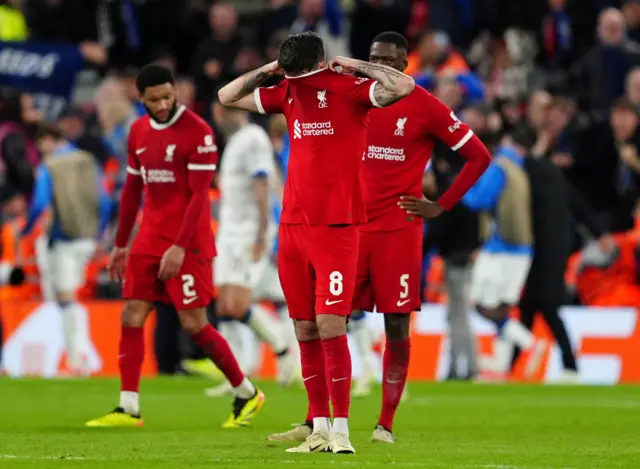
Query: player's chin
x=162, y=117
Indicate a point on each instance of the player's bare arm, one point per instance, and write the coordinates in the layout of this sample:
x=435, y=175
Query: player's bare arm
x=392, y=85
x=239, y=93
x=261, y=193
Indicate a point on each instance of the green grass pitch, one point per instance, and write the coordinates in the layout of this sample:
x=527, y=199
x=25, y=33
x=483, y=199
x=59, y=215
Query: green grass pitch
x=441, y=426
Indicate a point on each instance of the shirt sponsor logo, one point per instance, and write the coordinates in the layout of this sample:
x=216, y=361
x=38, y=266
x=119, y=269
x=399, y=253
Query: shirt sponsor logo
x=209, y=146
x=386, y=153
x=456, y=124
x=157, y=175
x=311, y=129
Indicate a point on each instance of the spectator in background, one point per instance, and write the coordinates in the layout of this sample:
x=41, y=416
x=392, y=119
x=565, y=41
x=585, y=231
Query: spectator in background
x=19, y=156
x=631, y=12
x=607, y=64
x=127, y=80
x=553, y=138
x=557, y=35
x=276, y=20
x=372, y=17
x=434, y=54
x=223, y=56
x=633, y=87
x=536, y=114
x=186, y=92
x=72, y=123
x=325, y=18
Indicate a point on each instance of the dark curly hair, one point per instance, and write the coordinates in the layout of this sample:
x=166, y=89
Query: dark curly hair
x=301, y=53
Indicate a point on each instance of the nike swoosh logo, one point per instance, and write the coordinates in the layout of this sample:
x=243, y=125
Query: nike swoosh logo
x=402, y=303
x=329, y=303
x=190, y=300
x=140, y=150
x=305, y=379
x=290, y=100
x=336, y=380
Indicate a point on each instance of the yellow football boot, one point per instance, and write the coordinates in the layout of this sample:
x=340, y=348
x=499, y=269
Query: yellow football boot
x=117, y=418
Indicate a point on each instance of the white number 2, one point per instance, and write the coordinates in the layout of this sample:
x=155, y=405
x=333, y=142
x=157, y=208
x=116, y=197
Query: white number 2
x=187, y=286
x=335, y=283
x=404, y=283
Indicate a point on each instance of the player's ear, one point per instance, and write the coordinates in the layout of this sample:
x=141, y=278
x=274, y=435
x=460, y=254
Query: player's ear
x=405, y=64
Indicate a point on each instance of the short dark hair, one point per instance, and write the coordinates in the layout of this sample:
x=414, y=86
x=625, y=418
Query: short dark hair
x=391, y=37
x=301, y=53
x=624, y=104
x=48, y=129
x=153, y=75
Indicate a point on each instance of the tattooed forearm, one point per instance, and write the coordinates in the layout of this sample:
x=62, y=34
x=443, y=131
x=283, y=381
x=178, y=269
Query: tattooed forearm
x=374, y=70
x=250, y=81
x=392, y=84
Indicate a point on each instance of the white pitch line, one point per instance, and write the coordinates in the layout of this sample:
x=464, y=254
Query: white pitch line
x=289, y=461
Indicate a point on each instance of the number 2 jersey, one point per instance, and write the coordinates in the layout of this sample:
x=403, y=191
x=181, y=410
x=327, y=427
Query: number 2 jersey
x=400, y=141
x=164, y=155
x=327, y=117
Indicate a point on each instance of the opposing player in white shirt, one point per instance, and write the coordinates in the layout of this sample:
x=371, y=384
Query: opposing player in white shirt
x=243, y=270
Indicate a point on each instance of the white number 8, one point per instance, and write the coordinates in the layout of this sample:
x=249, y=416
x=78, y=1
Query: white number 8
x=404, y=283
x=335, y=283
x=187, y=286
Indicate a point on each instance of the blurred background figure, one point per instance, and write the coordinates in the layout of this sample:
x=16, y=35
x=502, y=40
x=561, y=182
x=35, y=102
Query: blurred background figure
x=70, y=181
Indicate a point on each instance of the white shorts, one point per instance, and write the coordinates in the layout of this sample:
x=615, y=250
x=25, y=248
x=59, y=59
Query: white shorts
x=234, y=266
x=498, y=278
x=68, y=263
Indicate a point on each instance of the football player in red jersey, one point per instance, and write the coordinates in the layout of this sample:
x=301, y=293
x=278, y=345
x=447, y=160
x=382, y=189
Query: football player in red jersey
x=327, y=114
x=400, y=141
x=172, y=160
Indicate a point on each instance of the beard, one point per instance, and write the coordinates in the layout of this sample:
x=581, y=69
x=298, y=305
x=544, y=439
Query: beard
x=172, y=113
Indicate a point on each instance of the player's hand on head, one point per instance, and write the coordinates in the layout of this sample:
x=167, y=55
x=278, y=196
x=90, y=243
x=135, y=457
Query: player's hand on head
x=420, y=207
x=273, y=68
x=117, y=263
x=171, y=262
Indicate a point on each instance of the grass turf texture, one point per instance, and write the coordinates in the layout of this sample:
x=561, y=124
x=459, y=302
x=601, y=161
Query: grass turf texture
x=452, y=426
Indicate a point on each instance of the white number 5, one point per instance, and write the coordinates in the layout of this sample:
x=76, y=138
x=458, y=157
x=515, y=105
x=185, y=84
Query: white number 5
x=188, y=283
x=404, y=283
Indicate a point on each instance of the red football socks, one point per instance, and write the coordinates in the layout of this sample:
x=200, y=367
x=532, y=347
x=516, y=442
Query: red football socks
x=214, y=345
x=338, y=360
x=395, y=367
x=130, y=357
x=313, y=374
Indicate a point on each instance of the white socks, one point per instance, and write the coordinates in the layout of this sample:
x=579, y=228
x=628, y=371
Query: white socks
x=341, y=425
x=130, y=402
x=322, y=425
x=75, y=327
x=503, y=352
x=516, y=333
x=268, y=329
x=246, y=389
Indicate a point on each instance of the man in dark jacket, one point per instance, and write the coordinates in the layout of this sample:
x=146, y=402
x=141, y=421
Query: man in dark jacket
x=554, y=203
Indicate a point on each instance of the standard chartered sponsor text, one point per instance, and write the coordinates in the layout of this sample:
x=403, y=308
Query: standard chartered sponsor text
x=314, y=129
x=385, y=153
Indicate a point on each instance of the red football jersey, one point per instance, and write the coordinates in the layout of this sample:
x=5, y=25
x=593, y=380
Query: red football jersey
x=163, y=155
x=327, y=116
x=400, y=142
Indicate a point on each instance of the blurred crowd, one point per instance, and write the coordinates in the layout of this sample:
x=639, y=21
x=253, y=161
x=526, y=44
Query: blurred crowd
x=565, y=72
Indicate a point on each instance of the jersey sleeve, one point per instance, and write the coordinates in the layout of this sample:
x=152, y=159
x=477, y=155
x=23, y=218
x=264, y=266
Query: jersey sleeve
x=259, y=155
x=270, y=100
x=133, y=165
x=443, y=124
x=204, y=152
x=361, y=90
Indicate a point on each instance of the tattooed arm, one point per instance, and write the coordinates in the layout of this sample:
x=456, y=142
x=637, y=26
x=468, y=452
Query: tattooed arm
x=239, y=93
x=392, y=85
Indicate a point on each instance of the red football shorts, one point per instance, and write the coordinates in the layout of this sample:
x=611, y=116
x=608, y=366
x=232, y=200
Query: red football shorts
x=191, y=288
x=317, y=267
x=389, y=267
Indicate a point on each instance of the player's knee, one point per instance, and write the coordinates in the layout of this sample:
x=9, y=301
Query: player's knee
x=193, y=320
x=397, y=326
x=306, y=330
x=331, y=325
x=134, y=314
